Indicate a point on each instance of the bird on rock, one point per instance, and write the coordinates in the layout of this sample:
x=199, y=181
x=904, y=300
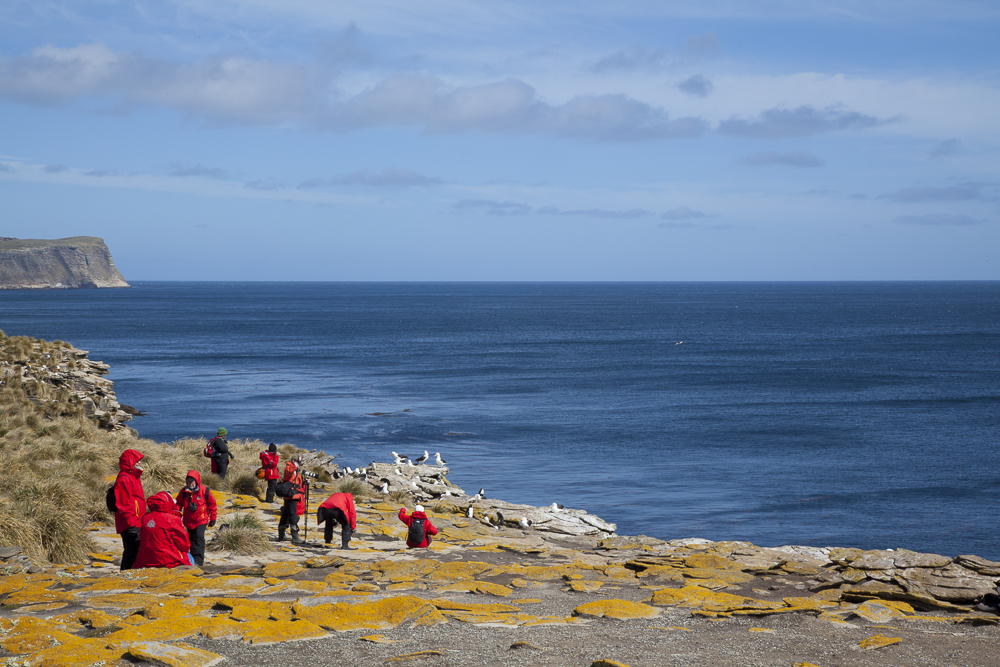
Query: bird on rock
x=525, y=523
x=409, y=463
x=499, y=519
x=556, y=507
x=399, y=473
x=385, y=486
x=440, y=461
x=399, y=458
x=468, y=512
x=424, y=457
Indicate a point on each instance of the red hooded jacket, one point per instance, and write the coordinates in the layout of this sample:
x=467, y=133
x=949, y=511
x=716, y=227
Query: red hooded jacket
x=429, y=528
x=345, y=503
x=130, y=498
x=292, y=475
x=204, y=503
x=269, y=462
x=163, y=541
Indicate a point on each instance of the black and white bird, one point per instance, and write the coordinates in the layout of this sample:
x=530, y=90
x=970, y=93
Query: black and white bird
x=337, y=474
x=499, y=519
x=424, y=457
x=468, y=512
x=385, y=486
x=364, y=475
x=399, y=473
x=525, y=523
x=349, y=471
x=556, y=507
x=440, y=461
x=399, y=458
x=409, y=463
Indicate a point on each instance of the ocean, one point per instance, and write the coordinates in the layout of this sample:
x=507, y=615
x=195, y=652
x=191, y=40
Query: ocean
x=825, y=414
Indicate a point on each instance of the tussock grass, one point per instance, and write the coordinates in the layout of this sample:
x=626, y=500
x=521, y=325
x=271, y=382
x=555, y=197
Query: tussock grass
x=245, y=535
x=57, y=463
x=245, y=484
x=355, y=487
x=400, y=496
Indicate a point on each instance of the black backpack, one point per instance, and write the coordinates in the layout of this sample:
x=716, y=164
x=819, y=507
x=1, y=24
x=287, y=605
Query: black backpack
x=109, y=499
x=285, y=489
x=416, y=533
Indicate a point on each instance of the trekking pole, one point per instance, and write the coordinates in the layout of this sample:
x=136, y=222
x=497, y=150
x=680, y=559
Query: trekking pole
x=307, y=513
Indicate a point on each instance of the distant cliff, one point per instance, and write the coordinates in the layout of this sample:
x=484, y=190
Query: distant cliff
x=80, y=261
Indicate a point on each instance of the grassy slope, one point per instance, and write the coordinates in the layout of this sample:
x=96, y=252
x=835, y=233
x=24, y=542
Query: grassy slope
x=45, y=243
x=58, y=464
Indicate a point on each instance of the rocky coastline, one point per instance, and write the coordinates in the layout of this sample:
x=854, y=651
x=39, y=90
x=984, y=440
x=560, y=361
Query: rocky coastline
x=71, y=263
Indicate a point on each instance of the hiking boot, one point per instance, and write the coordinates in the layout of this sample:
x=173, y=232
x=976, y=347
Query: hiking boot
x=295, y=536
x=281, y=533
x=345, y=538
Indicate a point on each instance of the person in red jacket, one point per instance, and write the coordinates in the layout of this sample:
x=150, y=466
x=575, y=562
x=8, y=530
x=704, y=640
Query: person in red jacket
x=199, y=508
x=269, y=462
x=163, y=541
x=294, y=506
x=338, y=508
x=420, y=527
x=130, y=504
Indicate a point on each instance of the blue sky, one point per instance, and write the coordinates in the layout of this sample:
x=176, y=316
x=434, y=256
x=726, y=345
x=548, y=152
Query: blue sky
x=455, y=140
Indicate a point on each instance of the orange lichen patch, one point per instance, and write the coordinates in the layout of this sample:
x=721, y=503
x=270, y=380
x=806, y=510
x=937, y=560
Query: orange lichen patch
x=451, y=605
x=796, y=567
x=723, y=576
x=38, y=595
x=30, y=634
x=459, y=571
x=617, y=609
x=521, y=583
x=376, y=639
x=898, y=604
x=403, y=586
x=765, y=630
x=804, y=664
x=45, y=606
x=173, y=607
x=532, y=621
x=376, y=615
x=123, y=600
x=285, y=569
x=91, y=618
x=607, y=663
x=417, y=655
x=254, y=610
x=366, y=587
x=397, y=571
x=163, y=629
x=583, y=586
x=710, y=562
x=273, y=632
x=244, y=502
x=481, y=619
x=339, y=578
x=173, y=655
x=810, y=603
x=286, y=586
x=709, y=601
x=83, y=652
x=151, y=577
x=205, y=587
x=878, y=641
x=223, y=628
x=876, y=611
x=16, y=582
x=113, y=583
x=106, y=557
x=618, y=572
x=665, y=572
x=329, y=560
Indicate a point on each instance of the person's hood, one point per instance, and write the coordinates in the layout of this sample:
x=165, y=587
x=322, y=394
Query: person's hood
x=128, y=459
x=160, y=502
x=196, y=475
x=419, y=515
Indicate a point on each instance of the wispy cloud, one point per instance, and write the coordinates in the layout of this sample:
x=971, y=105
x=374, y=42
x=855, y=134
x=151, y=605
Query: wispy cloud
x=387, y=177
x=682, y=213
x=696, y=85
x=929, y=193
x=801, y=159
x=629, y=214
x=55, y=168
x=798, y=122
x=492, y=207
x=181, y=170
x=238, y=90
x=938, y=220
x=946, y=148
x=101, y=173
x=633, y=58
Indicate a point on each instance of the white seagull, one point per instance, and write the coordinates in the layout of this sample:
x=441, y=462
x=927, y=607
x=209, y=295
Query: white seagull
x=385, y=487
x=424, y=457
x=525, y=523
x=409, y=463
x=556, y=507
x=468, y=512
x=440, y=461
x=399, y=473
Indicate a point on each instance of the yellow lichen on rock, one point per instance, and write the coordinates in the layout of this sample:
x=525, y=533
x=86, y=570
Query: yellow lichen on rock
x=617, y=609
x=286, y=569
x=163, y=629
x=174, y=655
x=273, y=632
x=377, y=639
x=126, y=601
x=585, y=586
x=459, y=571
x=223, y=628
x=878, y=612
x=30, y=634
x=607, y=663
x=451, y=605
x=37, y=594
x=710, y=562
x=376, y=615
x=244, y=502
x=174, y=607
x=878, y=641
x=82, y=653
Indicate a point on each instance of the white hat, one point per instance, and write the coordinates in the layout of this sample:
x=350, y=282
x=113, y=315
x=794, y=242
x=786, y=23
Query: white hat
x=418, y=508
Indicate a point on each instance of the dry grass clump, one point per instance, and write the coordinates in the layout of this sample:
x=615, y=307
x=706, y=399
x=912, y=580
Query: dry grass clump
x=400, y=496
x=353, y=486
x=245, y=535
x=245, y=484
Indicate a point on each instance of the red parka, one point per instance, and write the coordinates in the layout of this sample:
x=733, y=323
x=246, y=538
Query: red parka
x=269, y=462
x=204, y=504
x=163, y=541
x=292, y=475
x=345, y=503
x=130, y=498
x=429, y=528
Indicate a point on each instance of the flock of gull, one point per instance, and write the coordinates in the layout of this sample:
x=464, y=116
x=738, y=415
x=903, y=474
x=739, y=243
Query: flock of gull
x=401, y=460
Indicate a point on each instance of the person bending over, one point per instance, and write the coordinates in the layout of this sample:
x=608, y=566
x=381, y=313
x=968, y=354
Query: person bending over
x=339, y=509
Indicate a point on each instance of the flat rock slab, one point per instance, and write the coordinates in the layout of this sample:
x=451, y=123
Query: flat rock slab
x=174, y=655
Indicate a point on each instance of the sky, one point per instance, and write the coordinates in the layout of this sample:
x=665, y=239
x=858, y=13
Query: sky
x=506, y=140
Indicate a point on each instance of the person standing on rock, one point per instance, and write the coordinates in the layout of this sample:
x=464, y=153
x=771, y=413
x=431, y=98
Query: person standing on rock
x=164, y=542
x=199, y=512
x=292, y=491
x=420, y=527
x=130, y=505
x=220, y=453
x=269, y=462
x=338, y=508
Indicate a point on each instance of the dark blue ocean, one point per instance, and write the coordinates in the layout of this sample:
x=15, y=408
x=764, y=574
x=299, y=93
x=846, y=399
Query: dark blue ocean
x=826, y=414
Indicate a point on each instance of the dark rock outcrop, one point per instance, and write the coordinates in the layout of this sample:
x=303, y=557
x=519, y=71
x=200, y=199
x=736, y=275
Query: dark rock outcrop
x=77, y=262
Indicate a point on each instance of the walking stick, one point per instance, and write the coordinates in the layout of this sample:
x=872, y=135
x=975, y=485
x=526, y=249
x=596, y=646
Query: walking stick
x=307, y=512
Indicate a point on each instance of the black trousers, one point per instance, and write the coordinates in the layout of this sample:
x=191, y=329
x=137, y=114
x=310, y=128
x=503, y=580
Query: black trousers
x=271, y=484
x=289, y=514
x=222, y=466
x=197, y=538
x=332, y=515
x=130, y=549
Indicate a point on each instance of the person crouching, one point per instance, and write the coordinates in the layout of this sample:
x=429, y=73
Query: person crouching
x=163, y=542
x=199, y=512
x=294, y=501
x=338, y=509
x=420, y=527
